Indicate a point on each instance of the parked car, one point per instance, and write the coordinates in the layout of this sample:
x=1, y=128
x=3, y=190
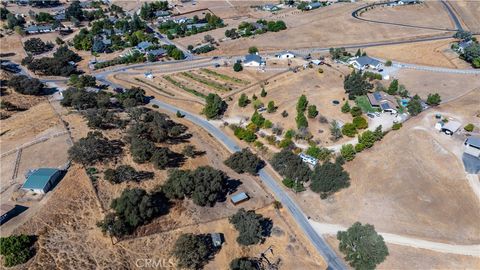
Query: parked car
x=377, y=114
x=371, y=115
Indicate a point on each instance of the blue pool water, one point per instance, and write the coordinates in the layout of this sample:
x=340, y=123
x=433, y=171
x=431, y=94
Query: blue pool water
x=404, y=102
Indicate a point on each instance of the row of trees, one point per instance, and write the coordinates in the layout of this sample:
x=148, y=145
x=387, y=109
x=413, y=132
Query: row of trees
x=37, y=46
x=58, y=65
x=26, y=86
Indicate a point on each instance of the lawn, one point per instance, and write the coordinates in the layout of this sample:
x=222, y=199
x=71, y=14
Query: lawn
x=364, y=104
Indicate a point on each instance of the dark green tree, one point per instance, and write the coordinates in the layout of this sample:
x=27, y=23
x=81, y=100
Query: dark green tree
x=329, y=178
x=312, y=111
x=271, y=108
x=16, y=249
x=243, y=100
x=434, y=99
x=414, y=106
x=192, y=251
x=94, y=148
x=289, y=165
x=356, y=85
x=244, y=161
x=393, y=87
x=215, y=106
x=252, y=227
x=244, y=263
x=302, y=104
x=363, y=247
x=237, y=67
x=346, y=107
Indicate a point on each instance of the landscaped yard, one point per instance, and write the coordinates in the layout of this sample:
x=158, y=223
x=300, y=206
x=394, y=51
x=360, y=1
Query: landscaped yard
x=364, y=104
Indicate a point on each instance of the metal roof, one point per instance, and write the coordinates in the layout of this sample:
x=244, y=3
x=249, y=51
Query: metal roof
x=239, y=197
x=39, y=178
x=144, y=45
x=473, y=141
x=453, y=126
x=253, y=58
x=366, y=60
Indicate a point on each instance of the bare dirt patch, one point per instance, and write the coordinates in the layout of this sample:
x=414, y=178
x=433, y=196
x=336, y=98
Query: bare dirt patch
x=467, y=12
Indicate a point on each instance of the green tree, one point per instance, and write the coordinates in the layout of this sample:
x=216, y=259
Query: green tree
x=289, y=165
x=329, y=178
x=252, y=50
x=192, y=251
x=37, y=46
x=263, y=93
x=27, y=86
x=349, y=130
x=312, y=111
x=243, y=100
x=257, y=119
x=347, y=152
x=469, y=127
x=271, y=108
x=16, y=249
x=414, y=106
x=360, y=122
x=252, y=227
x=363, y=247
x=320, y=153
x=356, y=111
x=388, y=63
x=244, y=161
x=346, y=107
x=237, y=67
x=215, y=106
x=244, y=263
x=335, y=130
x=301, y=121
x=393, y=87
x=367, y=138
x=93, y=148
x=433, y=99
x=302, y=104
x=355, y=84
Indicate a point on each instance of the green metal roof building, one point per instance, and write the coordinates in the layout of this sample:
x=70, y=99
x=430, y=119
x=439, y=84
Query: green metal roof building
x=41, y=180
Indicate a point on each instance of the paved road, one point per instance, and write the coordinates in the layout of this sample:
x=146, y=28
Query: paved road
x=469, y=250
x=452, y=15
x=334, y=262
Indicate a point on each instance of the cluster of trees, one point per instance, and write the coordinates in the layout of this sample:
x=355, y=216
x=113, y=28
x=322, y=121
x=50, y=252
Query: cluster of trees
x=258, y=121
x=363, y=247
x=246, y=29
x=13, y=21
x=16, y=249
x=214, y=107
x=200, y=50
x=395, y=89
x=135, y=57
x=414, y=106
x=245, y=161
x=350, y=129
x=471, y=53
x=301, y=120
x=244, y=263
x=337, y=53
x=173, y=29
x=82, y=81
x=80, y=99
x=37, y=46
x=25, y=85
x=147, y=12
x=365, y=140
x=204, y=185
x=193, y=251
x=326, y=178
x=355, y=84
x=103, y=118
x=252, y=227
x=124, y=173
x=58, y=65
x=320, y=153
x=244, y=134
x=434, y=99
x=94, y=148
x=134, y=207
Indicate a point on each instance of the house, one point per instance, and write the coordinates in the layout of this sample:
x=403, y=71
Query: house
x=253, y=60
x=384, y=101
x=472, y=146
x=364, y=62
x=6, y=212
x=41, y=180
x=313, y=5
x=463, y=45
x=196, y=25
x=270, y=7
x=148, y=75
x=92, y=89
x=142, y=46
x=158, y=53
x=285, y=55
x=239, y=198
x=308, y=159
x=162, y=13
x=60, y=16
x=36, y=29
x=408, y=2
x=216, y=239
x=451, y=127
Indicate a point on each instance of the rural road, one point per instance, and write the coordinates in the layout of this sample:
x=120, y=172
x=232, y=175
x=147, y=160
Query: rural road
x=333, y=261
x=470, y=250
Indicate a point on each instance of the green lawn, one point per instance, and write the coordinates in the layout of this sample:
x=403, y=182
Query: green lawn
x=364, y=104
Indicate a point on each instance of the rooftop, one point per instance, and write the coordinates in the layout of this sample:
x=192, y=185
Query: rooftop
x=239, y=197
x=253, y=58
x=366, y=60
x=473, y=141
x=453, y=126
x=144, y=44
x=39, y=178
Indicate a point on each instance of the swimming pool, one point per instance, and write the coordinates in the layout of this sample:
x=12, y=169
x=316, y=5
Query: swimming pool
x=404, y=102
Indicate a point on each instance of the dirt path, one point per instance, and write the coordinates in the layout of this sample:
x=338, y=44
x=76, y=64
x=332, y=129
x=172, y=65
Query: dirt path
x=470, y=250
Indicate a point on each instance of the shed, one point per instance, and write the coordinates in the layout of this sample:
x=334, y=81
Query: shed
x=6, y=212
x=451, y=127
x=216, y=239
x=41, y=180
x=238, y=198
x=472, y=146
x=285, y=55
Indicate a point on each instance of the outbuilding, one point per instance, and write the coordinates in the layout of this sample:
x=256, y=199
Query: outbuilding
x=451, y=127
x=216, y=239
x=472, y=146
x=285, y=55
x=239, y=198
x=41, y=180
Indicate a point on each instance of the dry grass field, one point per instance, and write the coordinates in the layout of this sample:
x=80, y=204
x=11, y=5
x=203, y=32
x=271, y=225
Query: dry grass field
x=467, y=11
x=412, y=258
x=13, y=44
x=411, y=183
x=426, y=14
x=447, y=85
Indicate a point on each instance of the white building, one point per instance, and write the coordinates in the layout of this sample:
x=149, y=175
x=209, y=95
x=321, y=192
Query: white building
x=364, y=62
x=285, y=55
x=308, y=159
x=253, y=60
x=472, y=146
x=451, y=127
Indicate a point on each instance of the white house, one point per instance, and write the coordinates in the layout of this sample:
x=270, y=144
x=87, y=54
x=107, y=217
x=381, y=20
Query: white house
x=451, y=127
x=313, y=5
x=253, y=60
x=308, y=159
x=285, y=55
x=472, y=146
x=364, y=62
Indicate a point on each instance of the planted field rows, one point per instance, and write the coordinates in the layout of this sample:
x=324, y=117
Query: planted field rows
x=209, y=83
x=224, y=77
x=183, y=87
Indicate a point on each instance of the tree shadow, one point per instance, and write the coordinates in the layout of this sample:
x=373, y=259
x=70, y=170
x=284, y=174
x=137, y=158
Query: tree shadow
x=176, y=160
x=232, y=185
x=267, y=225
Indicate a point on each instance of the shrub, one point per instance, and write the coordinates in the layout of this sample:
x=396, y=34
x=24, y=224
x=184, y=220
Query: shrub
x=349, y=130
x=356, y=111
x=360, y=122
x=433, y=99
x=388, y=63
x=348, y=152
x=16, y=249
x=469, y=127
x=237, y=67
x=284, y=114
x=346, y=107
x=312, y=111
x=359, y=147
x=397, y=126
